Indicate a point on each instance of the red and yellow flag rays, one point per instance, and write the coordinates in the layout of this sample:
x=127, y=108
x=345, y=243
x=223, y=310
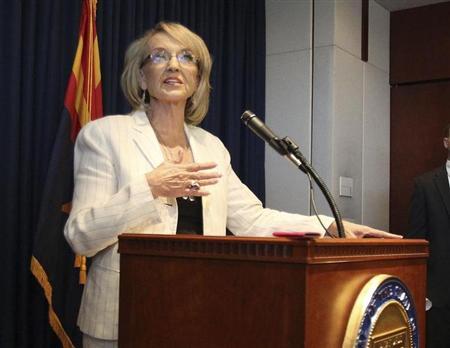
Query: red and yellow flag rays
x=84, y=93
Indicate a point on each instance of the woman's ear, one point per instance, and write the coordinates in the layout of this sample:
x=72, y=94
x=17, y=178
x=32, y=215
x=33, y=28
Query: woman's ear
x=197, y=81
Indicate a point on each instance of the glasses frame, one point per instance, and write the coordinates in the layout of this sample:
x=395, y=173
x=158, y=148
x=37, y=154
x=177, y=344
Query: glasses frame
x=150, y=57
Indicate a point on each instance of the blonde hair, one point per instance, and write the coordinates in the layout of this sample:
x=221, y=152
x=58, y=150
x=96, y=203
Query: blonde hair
x=197, y=105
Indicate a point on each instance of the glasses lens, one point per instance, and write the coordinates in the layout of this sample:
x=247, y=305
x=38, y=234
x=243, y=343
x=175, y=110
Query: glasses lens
x=159, y=57
x=186, y=57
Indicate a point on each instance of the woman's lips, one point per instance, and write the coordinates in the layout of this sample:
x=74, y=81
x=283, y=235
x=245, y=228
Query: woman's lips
x=173, y=81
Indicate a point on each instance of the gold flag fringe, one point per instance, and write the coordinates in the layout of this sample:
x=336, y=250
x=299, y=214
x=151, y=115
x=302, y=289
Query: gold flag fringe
x=41, y=276
x=80, y=262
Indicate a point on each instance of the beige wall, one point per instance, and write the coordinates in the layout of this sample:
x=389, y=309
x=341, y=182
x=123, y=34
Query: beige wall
x=347, y=133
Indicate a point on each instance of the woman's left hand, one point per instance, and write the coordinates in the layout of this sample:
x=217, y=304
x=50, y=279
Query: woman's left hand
x=361, y=231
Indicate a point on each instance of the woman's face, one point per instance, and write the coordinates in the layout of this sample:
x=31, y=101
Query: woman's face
x=170, y=72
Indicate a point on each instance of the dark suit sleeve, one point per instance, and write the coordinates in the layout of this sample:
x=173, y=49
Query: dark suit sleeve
x=417, y=213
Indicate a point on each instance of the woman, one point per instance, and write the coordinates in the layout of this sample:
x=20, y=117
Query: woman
x=154, y=172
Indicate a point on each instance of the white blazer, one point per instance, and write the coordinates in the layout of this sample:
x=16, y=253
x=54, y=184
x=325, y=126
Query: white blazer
x=111, y=196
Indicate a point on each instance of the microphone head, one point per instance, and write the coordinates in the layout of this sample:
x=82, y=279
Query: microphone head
x=247, y=116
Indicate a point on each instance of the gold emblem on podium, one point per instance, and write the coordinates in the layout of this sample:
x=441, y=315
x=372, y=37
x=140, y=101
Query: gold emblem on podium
x=383, y=316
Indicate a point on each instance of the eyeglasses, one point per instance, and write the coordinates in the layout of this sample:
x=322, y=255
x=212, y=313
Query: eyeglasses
x=161, y=56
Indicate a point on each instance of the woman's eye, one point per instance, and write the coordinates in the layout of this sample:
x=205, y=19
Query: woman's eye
x=159, y=57
x=187, y=57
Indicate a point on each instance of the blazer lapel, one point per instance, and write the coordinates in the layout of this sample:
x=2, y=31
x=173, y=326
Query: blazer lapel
x=145, y=139
x=441, y=181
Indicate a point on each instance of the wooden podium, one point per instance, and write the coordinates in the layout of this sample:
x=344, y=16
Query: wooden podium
x=195, y=291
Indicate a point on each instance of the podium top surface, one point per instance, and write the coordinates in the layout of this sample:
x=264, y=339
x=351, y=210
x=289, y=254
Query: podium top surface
x=306, y=251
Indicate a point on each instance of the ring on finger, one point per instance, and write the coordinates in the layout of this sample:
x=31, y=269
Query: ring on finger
x=194, y=186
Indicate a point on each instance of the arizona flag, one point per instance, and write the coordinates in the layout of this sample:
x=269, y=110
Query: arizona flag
x=52, y=262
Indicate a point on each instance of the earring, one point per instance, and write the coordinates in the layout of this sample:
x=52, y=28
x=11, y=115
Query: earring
x=145, y=100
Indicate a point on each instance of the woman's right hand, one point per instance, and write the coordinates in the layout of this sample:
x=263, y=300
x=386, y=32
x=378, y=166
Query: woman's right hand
x=175, y=179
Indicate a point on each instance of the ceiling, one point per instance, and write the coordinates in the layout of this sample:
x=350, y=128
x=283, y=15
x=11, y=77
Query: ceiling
x=396, y=5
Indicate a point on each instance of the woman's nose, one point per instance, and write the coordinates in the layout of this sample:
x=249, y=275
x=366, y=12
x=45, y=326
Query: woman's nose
x=173, y=64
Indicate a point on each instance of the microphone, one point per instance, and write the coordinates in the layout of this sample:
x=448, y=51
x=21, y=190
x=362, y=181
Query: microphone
x=261, y=130
x=287, y=148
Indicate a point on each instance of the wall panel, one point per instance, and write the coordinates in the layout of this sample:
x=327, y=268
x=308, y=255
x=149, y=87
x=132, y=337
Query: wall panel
x=418, y=115
x=420, y=44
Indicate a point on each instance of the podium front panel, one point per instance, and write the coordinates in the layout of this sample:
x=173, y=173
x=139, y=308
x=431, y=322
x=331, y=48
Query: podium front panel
x=194, y=291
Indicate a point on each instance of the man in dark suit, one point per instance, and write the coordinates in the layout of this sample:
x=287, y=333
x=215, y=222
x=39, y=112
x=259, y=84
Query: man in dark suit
x=430, y=219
